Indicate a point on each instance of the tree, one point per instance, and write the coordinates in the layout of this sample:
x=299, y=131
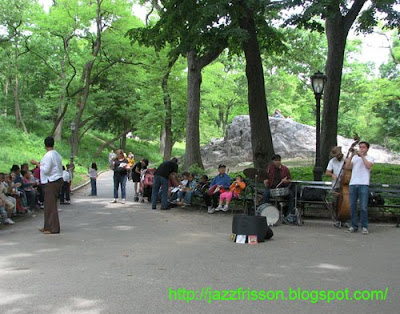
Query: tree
x=191, y=31
x=250, y=16
x=201, y=30
x=14, y=17
x=221, y=93
x=339, y=17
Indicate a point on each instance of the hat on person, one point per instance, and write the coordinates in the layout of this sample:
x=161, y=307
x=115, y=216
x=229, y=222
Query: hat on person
x=221, y=166
x=336, y=150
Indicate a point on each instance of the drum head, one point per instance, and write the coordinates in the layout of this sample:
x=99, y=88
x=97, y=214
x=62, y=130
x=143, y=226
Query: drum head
x=270, y=212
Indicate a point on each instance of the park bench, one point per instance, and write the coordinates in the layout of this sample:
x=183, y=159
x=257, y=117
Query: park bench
x=236, y=204
x=312, y=194
x=382, y=198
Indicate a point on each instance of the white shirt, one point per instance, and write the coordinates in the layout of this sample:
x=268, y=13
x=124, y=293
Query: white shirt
x=65, y=175
x=92, y=173
x=360, y=174
x=51, y=167
x=335, y=166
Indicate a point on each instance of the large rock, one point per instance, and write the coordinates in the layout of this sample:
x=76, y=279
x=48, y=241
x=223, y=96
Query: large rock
x=291, y=140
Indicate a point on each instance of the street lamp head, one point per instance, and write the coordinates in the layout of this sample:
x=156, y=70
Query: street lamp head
x=318, y=81
x=72, y=126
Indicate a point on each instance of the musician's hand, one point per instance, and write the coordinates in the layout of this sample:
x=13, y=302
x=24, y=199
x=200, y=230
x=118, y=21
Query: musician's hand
x=285, y=180
x=266, y=182
x=334, y=177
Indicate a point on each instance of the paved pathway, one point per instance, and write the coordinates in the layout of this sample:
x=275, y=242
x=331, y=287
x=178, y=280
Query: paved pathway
x=114, y=258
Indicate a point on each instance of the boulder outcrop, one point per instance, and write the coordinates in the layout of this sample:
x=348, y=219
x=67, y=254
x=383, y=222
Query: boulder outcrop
x=290, y=139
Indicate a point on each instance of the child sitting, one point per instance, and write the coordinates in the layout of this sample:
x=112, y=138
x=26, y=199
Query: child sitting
x=173, y=199
x=234, y=190
x=29, y=184
x=185, y=194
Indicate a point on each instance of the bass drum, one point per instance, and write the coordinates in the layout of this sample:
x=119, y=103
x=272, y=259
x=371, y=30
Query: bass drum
x=270, y=212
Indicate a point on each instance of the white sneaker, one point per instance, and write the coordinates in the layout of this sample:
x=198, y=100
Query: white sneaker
x=123, y=201
x=211, y=210
x=113, y=201
x=9, y=221
x=220, y=207
x=364, y=231
x=352, y=230
x=225, y=208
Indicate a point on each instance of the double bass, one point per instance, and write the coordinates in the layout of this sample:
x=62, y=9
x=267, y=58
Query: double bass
x=343, y=203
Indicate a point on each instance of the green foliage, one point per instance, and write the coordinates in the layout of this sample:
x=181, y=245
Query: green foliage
x=127, y=91
x=384, y=173
x=196, y=169
x=303, y=173
x=18, y=147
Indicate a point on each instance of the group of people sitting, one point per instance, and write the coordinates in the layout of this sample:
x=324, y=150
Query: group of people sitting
x=21, y=191
x=218, y=193
x=171, y=191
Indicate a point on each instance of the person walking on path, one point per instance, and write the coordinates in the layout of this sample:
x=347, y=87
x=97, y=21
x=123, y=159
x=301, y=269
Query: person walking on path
x=51, y=177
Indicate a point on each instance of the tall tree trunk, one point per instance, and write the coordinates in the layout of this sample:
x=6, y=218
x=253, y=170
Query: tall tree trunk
x=195, y=65
x=334, y=67
x=166, y=140
x=123, y=142
x=192, y=154
x=261, y=139
x=58, y=130
x=18, y=114
x=63, y=105
x=337, y=29
x=6, y=86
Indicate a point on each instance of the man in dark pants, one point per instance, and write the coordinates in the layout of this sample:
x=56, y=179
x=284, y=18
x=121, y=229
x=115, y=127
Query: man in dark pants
x=52, y=181
x=161, y=177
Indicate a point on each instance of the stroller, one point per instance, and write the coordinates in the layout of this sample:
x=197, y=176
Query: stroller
x=146, y=184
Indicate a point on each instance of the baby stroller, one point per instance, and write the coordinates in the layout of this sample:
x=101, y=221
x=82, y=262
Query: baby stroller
x=146, y=184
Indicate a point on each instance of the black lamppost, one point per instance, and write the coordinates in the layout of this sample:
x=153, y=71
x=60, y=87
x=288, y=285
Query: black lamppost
x=318, y=81
x=72, y=127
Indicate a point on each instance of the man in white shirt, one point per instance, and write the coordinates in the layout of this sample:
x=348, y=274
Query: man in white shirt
x=51, y=177
x=335, y=166
x=334, y=170
x=361, y=165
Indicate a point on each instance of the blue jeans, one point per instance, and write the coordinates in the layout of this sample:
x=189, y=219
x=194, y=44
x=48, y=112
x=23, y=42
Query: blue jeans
x=359, y=192
x=163, y=183
x=185, y=196
x=93, y=186
x=120, y=180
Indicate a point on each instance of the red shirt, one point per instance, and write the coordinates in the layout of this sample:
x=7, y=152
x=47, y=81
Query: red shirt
x=284, y=173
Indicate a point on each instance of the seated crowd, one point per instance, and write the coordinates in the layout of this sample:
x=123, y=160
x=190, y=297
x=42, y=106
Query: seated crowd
x=214, y=193
x=222, y=187
x=21, y=192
